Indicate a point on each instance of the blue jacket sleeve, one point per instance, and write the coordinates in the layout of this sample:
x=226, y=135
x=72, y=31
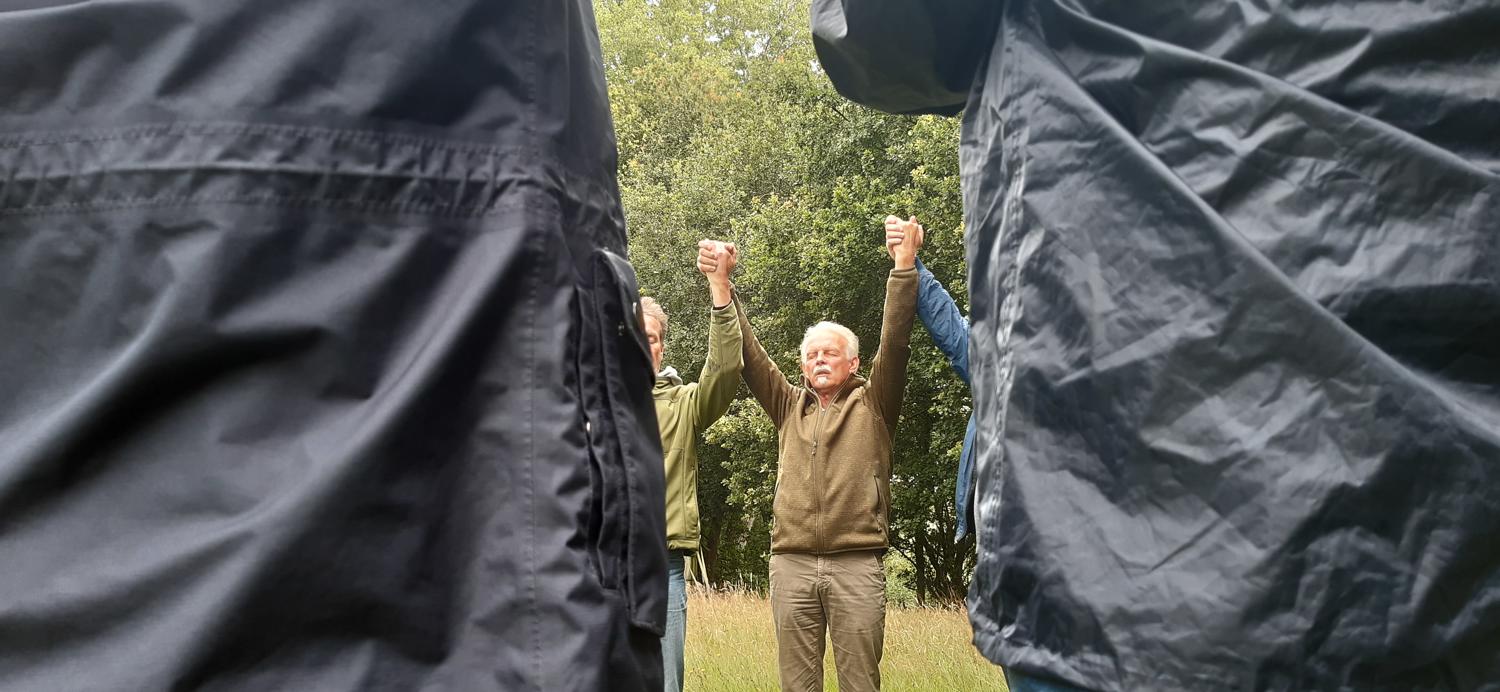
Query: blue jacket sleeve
x=948, y=327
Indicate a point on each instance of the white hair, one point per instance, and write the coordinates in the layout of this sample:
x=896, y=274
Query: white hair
x=851, y=342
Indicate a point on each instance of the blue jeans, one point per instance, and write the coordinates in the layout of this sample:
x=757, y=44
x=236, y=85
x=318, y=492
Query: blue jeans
x=672, y=641
x=1023, y=683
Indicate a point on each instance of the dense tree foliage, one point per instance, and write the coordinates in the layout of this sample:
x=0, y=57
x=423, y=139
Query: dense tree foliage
x=728, y=129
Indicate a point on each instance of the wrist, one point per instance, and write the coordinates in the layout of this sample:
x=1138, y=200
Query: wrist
x=720, y=292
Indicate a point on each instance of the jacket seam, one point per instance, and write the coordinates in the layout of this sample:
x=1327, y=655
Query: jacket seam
x=492, y=178
x=531, y=199
x=17, y=140
x=267, y=200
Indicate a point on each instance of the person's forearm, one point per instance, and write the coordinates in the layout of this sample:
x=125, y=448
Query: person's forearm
x=888, y=375
x=944, y=322
x=720, y=379
x=724, y=344
x=899, y=313
x=720, y=293
x=759, y=372
x=756, y=361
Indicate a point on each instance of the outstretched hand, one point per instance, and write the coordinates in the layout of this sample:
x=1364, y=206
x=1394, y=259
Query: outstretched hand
x=716, y=259
x=902, y=240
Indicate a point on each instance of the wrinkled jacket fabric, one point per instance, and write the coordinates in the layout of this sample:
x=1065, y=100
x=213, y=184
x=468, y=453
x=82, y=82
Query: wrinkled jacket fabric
x=833, y=463
x=322, y=369
x=684, y=411
x=1235, y=310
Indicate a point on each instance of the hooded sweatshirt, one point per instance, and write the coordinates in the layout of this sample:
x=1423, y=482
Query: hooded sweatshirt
x=834, y=462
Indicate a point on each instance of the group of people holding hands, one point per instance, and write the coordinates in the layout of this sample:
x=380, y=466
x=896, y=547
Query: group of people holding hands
x=835, y=430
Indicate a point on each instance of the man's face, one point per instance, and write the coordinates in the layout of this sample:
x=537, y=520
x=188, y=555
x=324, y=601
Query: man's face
x=826, y=362
x=653, y=337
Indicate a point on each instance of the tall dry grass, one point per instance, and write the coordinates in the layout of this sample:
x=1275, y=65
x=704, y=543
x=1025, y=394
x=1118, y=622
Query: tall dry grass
x=731, y=647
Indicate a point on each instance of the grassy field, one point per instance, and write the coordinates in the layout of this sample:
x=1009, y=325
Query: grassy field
x=732, y=648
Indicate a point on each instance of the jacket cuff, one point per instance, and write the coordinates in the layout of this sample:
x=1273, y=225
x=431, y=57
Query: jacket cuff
x=724, y=314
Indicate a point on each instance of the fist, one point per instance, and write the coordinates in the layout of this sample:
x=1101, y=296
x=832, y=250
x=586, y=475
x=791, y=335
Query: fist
x=716, y=259
x=902, y=239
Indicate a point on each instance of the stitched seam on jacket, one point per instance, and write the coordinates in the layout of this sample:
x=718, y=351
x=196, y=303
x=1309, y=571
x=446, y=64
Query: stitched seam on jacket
x=21, y=139
x=530, y=198
x=425, y=208
x=67, y=174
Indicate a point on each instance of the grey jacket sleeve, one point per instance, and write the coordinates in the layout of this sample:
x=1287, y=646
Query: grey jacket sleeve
x=905, y=56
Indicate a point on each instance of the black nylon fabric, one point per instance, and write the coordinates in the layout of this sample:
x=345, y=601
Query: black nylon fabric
x=1235, y=281
x=320, y=357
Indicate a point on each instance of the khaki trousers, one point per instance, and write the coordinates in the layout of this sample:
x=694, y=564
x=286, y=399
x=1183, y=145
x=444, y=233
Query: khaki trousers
x=843, y=593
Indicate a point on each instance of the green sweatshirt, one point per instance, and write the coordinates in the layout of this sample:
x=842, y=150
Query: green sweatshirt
x=683, y=411
x=833, y=477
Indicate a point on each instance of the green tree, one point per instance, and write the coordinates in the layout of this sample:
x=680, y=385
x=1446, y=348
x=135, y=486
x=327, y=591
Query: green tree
x=728, y=129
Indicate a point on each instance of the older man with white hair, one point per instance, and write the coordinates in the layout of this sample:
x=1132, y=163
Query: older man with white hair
x=833, y=476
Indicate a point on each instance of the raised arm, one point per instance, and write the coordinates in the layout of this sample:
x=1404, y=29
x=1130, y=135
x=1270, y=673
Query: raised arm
x=721, y=370
x=888, y=374
x=948, y=327
x=765, y=380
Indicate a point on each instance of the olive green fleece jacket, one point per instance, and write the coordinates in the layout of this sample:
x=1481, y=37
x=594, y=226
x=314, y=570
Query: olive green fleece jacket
x=684, y=411
x=833, y=476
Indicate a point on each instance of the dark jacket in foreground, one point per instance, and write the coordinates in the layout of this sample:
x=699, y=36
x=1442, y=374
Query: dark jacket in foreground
x=1235, y=281
x=320, y=368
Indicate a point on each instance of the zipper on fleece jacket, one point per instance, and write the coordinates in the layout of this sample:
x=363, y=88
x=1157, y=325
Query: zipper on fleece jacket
x=813, y=461
x=818, y=478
